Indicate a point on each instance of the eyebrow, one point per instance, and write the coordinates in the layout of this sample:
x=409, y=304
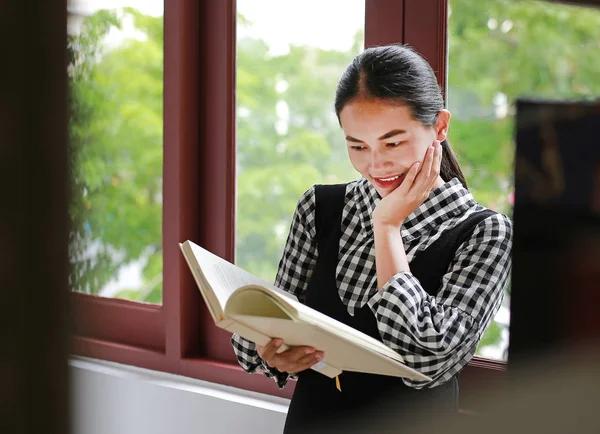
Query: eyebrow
x=387, y=135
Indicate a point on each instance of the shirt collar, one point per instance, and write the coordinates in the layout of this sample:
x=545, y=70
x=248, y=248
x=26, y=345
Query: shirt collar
x=448, y=200
x=367, y=200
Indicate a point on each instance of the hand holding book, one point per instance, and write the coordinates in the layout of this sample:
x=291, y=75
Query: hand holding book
x=293, y=360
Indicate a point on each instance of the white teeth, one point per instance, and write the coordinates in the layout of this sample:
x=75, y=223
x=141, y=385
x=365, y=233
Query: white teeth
x=389, y=179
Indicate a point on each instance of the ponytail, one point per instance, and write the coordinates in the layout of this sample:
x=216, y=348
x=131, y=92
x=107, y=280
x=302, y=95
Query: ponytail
x=450, y=168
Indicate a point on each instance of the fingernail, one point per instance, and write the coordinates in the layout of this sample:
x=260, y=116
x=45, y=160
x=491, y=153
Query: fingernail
x=309, y=350
x=318, y=358
x=278, y=342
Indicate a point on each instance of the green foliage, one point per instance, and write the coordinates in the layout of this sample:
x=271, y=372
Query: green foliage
x=491, y=336
x=485, y=151
x=116, y=141
x=275, y=166
x=544, y=49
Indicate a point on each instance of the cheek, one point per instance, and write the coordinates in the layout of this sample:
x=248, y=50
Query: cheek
x=408, y=155
x=359, y=161
x=420, y=149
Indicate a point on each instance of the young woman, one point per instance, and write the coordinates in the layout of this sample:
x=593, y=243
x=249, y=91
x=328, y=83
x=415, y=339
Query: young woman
x=405, y=254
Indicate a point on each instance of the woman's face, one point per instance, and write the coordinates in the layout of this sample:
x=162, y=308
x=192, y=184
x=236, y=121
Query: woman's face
x=384, y=141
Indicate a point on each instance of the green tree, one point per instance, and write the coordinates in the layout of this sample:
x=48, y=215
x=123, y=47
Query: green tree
x=512, y=48
x=276, y=165
x=116, y=137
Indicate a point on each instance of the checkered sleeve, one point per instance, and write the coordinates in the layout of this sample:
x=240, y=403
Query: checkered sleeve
x=438, y=336
x=295, y=268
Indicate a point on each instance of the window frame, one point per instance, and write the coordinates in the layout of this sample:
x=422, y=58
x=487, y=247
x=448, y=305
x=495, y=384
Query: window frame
x=200, y=174
x=426, y=29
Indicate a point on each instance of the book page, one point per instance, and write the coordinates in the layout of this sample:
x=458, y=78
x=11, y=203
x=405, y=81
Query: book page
x=254, y=303
x=306, y=314
x=223, y=276
x=209, y=296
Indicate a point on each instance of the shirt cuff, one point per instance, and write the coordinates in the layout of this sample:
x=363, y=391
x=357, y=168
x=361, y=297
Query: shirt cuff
x=281, y=378
x=403, y=280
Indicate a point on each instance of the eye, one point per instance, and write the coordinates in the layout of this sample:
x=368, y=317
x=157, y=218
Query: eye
x=357, y=147
x=393, y=144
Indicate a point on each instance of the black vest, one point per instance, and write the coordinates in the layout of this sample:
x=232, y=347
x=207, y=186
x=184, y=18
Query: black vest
x=367, y=402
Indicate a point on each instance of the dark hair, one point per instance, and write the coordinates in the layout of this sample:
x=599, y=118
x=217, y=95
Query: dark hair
x=399, y=74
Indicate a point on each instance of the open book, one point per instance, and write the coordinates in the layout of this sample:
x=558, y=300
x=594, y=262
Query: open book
x=242, y=303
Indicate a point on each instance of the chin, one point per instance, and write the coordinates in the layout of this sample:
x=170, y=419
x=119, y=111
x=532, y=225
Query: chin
x=382, y=193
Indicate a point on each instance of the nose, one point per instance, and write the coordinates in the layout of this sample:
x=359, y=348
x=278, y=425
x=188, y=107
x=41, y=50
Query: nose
x=378, y=159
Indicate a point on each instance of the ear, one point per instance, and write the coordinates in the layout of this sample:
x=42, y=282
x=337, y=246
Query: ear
x=442, y=124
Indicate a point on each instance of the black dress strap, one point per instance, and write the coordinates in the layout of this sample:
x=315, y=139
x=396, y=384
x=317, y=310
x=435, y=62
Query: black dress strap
x=329, y=201
x=431, y=264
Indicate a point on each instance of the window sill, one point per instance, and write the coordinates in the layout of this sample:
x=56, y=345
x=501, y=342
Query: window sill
x=180, y=383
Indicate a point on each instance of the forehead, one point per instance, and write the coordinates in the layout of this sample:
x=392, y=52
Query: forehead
x=375, y=117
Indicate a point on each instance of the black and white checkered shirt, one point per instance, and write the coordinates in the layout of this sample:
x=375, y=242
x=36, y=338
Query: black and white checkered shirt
x=434, y=335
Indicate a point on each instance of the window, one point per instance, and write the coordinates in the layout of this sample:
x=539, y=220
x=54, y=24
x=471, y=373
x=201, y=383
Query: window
x=497, y=53
x=199, y=170
x=116, y=131
x=288, y=137
x=198, y=104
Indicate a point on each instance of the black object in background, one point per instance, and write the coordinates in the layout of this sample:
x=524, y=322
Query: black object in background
x=33, y=218
x=555, y=289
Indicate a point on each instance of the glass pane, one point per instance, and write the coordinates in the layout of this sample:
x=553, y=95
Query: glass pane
x=288, y=138
x=116, y=126
x=500, y=50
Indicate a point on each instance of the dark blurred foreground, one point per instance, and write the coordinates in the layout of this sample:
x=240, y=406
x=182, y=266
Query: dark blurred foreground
x=33, y=217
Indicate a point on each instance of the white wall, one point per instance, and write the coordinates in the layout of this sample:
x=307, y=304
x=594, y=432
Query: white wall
x=108, y=398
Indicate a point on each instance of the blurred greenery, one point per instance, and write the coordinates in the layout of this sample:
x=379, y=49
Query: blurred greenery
x=116, y=154
x=287, y=135
x=491, y=336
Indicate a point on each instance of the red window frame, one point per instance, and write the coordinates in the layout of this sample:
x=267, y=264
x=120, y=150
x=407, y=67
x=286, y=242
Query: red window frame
x=425, y=27
x=199, y=195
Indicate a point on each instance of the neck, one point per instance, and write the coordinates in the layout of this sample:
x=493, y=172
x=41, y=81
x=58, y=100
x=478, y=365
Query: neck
x=439, y=182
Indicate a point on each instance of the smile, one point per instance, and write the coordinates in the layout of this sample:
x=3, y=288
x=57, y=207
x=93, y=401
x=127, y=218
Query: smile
x=393, y=178
x=390, y=181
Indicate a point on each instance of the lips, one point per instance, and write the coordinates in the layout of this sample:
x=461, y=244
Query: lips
x=392, y=181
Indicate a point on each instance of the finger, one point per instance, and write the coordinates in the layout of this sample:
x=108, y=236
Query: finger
x=437, y=162
x=423, y=178
x=428, y=163
x=270, y=350
x=308, y=364
x=310, y=359
x=287, y=359
x=304, y=363
x=422, y=184
x=438, y=157
x=294, y=354
x=410, y=177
